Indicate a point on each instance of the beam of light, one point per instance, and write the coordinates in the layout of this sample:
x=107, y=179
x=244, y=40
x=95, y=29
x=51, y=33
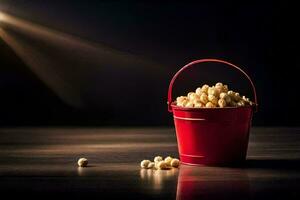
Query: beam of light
x=68, y=67
x=79, y=45
x=38, y=64
x=1, y=16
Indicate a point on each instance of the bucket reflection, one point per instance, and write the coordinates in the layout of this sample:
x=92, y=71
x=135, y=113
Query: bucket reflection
x=212, y=183
x=158, y=179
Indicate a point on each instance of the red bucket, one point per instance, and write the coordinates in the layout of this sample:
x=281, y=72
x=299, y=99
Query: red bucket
x=212, y=136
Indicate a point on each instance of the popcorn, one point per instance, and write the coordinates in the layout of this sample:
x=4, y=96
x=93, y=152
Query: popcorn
x=213, y=91
x=233, y=104
x=199, y=91
x=175, y=163
x=160, y=163
x=225, y=88
x=222, y=103
x=230, y=93
x=226, y=97
x=190, y=94
x=194, y=96
x=181, y=98
x=82, y=162
x=182, y=103
x=219, y=86
x=204, y=88
x=195, y=101
x=240, y=103
x=210, y=105
x=245, y=99
x=158, y=159
x=145, y=164
x=211, y=97
x=237, y=96
x=151, y=165
x=189, y=105
x=198, y=105
x=204, y=98
x=223, y=95
x=168, y=160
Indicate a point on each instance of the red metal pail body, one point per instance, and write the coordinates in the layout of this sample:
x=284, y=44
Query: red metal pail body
x=212, y=136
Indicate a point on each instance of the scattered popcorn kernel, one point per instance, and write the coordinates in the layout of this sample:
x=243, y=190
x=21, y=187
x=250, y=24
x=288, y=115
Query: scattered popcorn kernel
x=158, y=159
x=213, y=99
x=145, y=163
x=156, y=165
x=82, y=162
x=151, y=165
x=159, y=163
x=222, y=103
x=210, y=105
x=175, y=162
x=162, y=165
x=168, y=160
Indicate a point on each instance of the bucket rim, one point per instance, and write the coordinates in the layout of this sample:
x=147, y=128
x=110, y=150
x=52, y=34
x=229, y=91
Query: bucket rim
x=174, y=106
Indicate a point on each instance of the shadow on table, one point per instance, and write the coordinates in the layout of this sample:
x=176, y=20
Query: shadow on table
x=283, y=164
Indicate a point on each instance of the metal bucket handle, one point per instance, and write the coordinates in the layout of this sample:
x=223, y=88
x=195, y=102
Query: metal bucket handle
x=202, y=61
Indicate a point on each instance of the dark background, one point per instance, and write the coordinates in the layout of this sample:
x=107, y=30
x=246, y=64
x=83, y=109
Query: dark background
x=258, y=36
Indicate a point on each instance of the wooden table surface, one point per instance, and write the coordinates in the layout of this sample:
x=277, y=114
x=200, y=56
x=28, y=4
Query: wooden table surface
x=42, y=163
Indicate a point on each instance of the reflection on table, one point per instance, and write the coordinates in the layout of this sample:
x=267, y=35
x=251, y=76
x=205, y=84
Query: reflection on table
x=195, y=182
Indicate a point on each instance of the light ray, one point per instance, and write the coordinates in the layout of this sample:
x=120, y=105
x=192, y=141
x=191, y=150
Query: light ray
x=67, y=63
x=78, y=45
x=38, y=64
